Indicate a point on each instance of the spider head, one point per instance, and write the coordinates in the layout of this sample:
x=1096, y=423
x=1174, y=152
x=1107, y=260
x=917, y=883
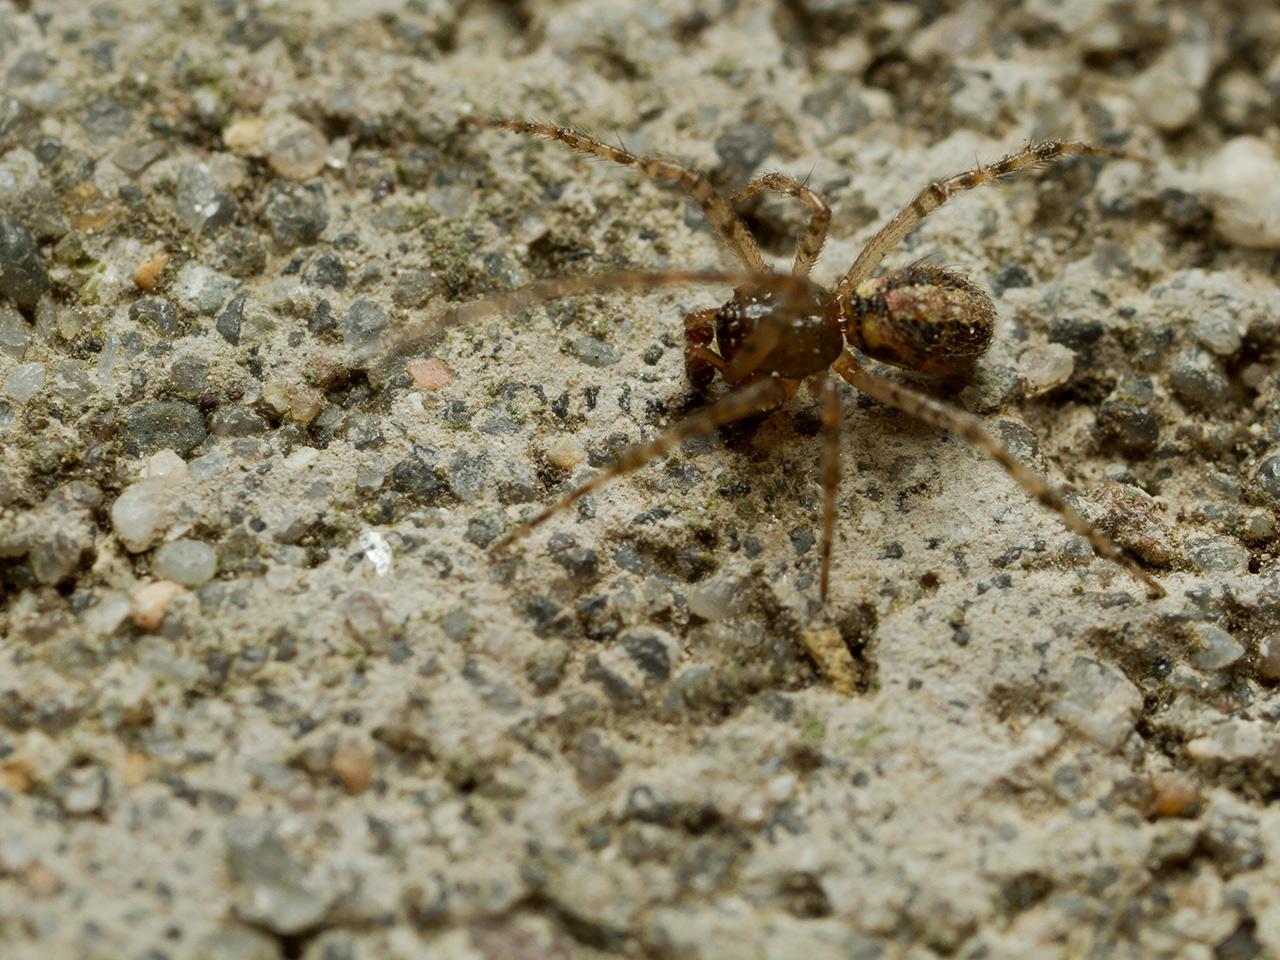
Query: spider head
x=804, y=321
x=921, y=317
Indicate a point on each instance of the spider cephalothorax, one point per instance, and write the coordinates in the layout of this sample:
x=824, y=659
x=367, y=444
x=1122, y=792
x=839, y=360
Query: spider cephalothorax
x=779, y=332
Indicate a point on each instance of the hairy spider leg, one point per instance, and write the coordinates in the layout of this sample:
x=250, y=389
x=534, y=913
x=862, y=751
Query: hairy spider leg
x=968, y=428
x=763, y=395
x=810, y=246
x=719, y=214
x=828, y=390
x=940, y=191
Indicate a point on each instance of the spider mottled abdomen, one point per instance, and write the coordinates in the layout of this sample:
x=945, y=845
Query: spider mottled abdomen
x=779, y=332
x=923, y=318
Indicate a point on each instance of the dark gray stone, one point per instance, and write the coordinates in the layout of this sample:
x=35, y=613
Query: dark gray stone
x=158, y=313
x=22, y=274
x=160, y=425
x=326, y=270
x=240, y=253
x=1125, y=418
x=105, y=118
x=1269, y=479
x=743, y=147
x=365, y=320
x=1198, y=380
x=234, y=421
x=228, y=323
x=202, y=205
x=295, y=213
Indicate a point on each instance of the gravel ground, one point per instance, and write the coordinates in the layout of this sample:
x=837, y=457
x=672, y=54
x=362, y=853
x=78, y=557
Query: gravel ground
x=265, y=692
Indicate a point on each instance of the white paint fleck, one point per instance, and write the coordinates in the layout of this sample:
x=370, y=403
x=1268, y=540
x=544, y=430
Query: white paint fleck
x=377, y=551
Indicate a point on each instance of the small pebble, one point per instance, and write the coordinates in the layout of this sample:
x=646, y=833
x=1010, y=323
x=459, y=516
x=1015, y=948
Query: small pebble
x=1216, y=649
x=352, y=761
x=365, y=320
x=295, y=149
x=1242, y=182
x=295, y=213
x=151, y=603
x=188, y=562
x=566, y=452
x=1045, y=367
x=15, y=334
x=1269, y=656
x=24, y=381
x=165, y=463
x=143, y=512
x=147, y=274
x=431, y=373
x=1269, y=479
x=22, y=273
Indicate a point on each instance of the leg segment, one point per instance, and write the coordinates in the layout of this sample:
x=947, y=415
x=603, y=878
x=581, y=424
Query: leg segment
x=967, y=428
x=820, y=215
x=830, y=472
x=764, y=394
x=700, y=361
x=718, y=213
x=940, y=191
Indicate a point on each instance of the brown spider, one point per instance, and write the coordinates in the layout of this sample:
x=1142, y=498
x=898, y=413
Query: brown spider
x=778, y=331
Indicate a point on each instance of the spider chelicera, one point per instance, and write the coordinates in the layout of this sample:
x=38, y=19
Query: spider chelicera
x=780, y=331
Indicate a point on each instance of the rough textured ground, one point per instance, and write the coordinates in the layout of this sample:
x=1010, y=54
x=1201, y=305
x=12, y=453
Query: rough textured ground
x=263, y=690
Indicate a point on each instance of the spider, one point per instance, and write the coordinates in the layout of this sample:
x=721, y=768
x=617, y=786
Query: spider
x=780, y=331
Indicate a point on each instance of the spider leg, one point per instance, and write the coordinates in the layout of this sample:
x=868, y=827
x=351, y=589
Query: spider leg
x=830, y=394
x=764, y=394
x=940, y=191
x=968, y=428
x=700, y=361
x=732, y=231
x=542, y=291
x=815, y=236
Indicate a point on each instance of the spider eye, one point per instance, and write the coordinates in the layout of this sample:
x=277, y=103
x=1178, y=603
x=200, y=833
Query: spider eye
x=922, y=318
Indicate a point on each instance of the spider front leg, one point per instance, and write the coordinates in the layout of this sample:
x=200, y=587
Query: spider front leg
x=732, y=231
x=810, y=247
x=968, y=428
x=940, y=191
x=760, y=396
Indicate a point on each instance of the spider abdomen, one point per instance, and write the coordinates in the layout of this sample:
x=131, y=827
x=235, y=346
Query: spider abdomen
x=923, y=318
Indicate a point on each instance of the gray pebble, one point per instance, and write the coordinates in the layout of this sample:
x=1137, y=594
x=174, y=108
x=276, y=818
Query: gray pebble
x=742, y=147
x=230, y=319
x=158, y=313
x=82, y=790
x=458, y=624
x=22, y=274
x=365, y=320
x=239, y=253
x=295, y=213
x=1213, y=554
x=204, y=288
x=1218, y=333
x=189, y=374
x=466, y=474
x=593, y=352
x=188, y=562
x=163, y=424
x=1125, y=418
x=1217, y=649
x=105, y=118
x=236, y=421
x=1098, y=701
x=839, y=107
x=276, y=892
x=326, y=270
x=237, y=943
x=18, y=122
x=15, y=335
x=202, y=205
x=24, y=381
x=1198, y=380
x=1269, y=479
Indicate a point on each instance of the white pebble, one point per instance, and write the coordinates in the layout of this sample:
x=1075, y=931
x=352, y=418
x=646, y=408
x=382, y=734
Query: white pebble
x=24, y=381
x=143, y=512
x=188, y=562
x=1242, y=182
